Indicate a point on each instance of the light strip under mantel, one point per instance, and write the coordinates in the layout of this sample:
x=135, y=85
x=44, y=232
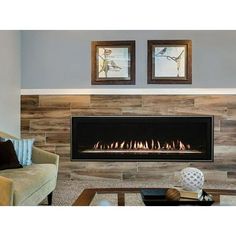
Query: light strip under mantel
x=129, y=91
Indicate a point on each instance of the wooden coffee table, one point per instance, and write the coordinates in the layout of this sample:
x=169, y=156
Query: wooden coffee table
x=87, y=196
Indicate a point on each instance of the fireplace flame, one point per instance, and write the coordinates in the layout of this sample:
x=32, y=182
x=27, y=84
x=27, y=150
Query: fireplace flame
x=181, y=146
x=142, y=145
x=122, y=145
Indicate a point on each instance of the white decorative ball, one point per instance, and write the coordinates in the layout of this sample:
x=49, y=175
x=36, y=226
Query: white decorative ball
x=192, y=179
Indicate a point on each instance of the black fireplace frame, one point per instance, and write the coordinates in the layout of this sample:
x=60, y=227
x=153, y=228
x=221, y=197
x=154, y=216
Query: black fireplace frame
x=211, y=142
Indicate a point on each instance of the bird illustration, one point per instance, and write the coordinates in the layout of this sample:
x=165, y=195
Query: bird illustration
x=105, y=67
x=107, y=64
x=114, y=65
x=107, y=52
x=177, y=60
x=162, y=52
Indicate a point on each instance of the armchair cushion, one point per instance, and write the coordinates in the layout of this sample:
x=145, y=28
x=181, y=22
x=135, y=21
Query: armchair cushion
x=26, y=181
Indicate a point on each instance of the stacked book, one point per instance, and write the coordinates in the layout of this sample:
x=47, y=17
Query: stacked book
x=185, y=194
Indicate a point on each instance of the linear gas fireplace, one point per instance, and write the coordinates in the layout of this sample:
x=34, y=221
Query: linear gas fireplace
x=142, y=138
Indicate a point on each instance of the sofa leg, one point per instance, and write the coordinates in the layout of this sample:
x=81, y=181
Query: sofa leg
x=50, y=199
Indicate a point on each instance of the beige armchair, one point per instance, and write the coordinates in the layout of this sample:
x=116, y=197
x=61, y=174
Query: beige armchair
x=29, y=185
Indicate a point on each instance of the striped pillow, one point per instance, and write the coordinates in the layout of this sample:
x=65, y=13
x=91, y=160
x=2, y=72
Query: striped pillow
x=23, y=148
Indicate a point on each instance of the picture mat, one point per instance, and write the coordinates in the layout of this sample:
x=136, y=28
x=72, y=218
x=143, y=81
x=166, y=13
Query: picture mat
x=119, y=57
x=166, y=63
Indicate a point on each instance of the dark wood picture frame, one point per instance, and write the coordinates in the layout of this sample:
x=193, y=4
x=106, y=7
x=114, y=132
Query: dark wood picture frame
x=165, y=47
x=113, y=68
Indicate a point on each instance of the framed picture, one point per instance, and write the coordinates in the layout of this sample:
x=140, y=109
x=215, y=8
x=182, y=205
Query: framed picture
x=113, y=62
x=169, y=61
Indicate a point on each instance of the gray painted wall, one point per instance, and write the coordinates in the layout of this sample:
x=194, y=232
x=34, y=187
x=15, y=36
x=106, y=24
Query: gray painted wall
x=10, y=82
x=61, y=59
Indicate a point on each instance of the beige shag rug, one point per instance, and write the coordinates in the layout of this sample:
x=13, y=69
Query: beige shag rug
x=67, y=191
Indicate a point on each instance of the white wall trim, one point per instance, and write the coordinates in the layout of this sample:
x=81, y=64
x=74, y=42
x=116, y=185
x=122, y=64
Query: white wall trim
x=137, y=91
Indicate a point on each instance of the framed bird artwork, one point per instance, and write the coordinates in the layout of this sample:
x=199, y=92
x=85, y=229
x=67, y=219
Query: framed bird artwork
x=113, y=62
x=169, y=62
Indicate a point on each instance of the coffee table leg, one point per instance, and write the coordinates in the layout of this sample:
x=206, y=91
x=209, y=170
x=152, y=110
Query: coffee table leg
x=121, y=199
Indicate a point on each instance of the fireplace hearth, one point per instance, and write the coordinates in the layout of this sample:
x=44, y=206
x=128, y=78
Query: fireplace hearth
x=142, y=138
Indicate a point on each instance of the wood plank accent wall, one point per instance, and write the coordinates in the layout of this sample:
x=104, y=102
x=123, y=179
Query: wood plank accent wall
x=47, y=119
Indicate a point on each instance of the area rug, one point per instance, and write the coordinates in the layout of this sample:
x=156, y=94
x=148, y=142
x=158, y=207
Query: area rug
x=67, y=191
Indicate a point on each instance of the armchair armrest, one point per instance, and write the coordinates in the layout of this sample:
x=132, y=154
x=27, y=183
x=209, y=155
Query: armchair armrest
x=6, y=191
x=40, y=156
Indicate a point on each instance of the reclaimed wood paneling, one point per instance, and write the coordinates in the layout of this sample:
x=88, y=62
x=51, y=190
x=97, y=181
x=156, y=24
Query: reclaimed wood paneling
x=115, y=101
x=162, y=166
x=231, y=113
x=167, y=101
x=231, y=175
x=29, y=102
x=147, y=111
x=86, y=174
x=228, y=126
x=47, y=119
x=222, y=138
x=142, y=176
x=64, y=101
x=49, y=125
x=40, y=138
x=57, y=138
x=96, y=111
x=212, y=101
x=46, y=112
x=25, y=125
x=63, y=151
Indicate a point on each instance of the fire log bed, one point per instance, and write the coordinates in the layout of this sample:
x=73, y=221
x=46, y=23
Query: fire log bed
x=142, y=147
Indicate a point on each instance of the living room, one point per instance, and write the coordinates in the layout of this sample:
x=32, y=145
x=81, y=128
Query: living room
x=102, y=141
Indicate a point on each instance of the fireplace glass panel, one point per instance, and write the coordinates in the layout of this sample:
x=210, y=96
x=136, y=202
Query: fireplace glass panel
x=142, y=138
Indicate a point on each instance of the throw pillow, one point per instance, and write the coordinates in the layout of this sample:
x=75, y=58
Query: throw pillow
x=23, y=148
x=8, y=157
